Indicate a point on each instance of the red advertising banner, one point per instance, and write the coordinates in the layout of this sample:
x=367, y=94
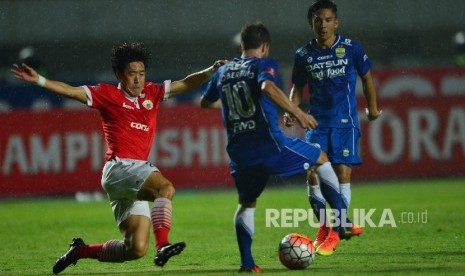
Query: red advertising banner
x=422, y=130
x=420, y=134
x=62, y=152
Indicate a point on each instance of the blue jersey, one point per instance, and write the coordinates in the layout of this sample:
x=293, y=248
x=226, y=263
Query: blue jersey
x=250, y=118
x=332, y=75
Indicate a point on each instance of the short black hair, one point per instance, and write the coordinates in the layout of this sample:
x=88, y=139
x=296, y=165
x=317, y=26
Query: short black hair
x=124, y=53
x=253, y=35
x=321, y=4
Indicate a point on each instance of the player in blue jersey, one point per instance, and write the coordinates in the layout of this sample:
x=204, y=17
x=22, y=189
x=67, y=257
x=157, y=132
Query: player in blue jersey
x=245, y=90
x=330, y=65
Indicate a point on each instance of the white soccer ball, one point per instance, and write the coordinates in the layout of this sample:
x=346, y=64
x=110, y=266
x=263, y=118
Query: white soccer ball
x=296, y=251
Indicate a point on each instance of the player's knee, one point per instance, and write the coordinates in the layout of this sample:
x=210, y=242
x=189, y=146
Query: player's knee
x=166, y=189
x=312, y=178
x=343, y=174
x=137, y=250
x=323, y=158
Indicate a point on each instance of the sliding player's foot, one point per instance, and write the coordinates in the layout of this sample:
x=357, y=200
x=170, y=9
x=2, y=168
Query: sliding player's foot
x=69, y=258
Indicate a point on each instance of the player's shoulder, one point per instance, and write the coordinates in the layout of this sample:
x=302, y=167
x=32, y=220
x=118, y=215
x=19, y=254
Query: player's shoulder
x=268, y=62
x=154, y=86
x=304, y=50
x=101, y=87
x=347, y=42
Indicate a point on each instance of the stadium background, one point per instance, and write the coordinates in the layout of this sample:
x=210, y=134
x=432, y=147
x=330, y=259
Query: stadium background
x=49, y=145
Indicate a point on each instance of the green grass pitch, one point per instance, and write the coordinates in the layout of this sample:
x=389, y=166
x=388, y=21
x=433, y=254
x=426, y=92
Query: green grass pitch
x=428, y=237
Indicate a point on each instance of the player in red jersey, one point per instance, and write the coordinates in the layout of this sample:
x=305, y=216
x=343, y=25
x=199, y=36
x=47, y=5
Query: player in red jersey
x=129, y=114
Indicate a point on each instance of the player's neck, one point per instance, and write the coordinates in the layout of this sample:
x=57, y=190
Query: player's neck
x=252, y=53
x=325, y=43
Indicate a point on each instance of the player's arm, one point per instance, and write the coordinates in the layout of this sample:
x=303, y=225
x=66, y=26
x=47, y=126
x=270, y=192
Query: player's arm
x=273, y=92
x=369, y=92
x=28, y=74
x=194, y=80
x=296, y=95
x=296, y=98
x=204, y=103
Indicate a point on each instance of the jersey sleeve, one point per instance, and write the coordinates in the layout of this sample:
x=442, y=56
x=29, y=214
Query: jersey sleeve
x=166, y=89
x=268, y=70
x=211, y=93
x=96, y=95
x=361, y=62
x=159, y=91
x=299, y=77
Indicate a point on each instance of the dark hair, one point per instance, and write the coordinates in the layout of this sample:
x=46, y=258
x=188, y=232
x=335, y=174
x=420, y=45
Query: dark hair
x=125, y=53
x=253, y=35
x=321, y=4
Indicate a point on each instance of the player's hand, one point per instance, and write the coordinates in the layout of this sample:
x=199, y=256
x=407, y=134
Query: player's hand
x=218, y=64
x=373, y=115
x=288, y=119
x=25, y=73
x=307, y=121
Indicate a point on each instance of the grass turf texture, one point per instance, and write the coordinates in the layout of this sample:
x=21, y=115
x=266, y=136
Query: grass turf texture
x=35, y=232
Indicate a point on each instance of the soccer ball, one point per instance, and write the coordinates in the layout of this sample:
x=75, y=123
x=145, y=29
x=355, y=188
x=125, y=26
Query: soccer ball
x=296, y=251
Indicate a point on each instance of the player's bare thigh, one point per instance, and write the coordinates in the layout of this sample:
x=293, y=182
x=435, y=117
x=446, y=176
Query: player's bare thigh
x=136, y=232
x=156, y=185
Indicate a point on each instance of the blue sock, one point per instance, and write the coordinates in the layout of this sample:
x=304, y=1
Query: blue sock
x=330, y=189
x=244, y=224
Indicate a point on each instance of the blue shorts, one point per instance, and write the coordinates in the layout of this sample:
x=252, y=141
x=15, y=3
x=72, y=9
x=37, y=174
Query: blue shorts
x=341, y=144
x=292, y=160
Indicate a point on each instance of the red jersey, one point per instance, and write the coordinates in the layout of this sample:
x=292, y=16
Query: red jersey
x=129, y=123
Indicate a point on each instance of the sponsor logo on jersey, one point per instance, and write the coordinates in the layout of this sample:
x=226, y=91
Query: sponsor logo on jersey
x=340, y=52
x=347, y=42
x=271, y=71
x=147, y=104
x=327, y=64
x=328, y=69
x=309, y=59
x=127, y=106
x=140, y=126
x=324, y=57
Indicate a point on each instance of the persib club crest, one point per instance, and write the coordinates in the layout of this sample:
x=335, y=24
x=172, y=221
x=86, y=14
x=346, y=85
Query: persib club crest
x=340, y=52
x=148, y=104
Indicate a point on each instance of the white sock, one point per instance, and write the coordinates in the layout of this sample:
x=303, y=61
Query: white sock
x=245, y=216
x=327, y=175
x=345, y=193
x=315, y=192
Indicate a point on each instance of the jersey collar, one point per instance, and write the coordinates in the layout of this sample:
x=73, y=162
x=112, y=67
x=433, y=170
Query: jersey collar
x=336, y=42
x=129, y=97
